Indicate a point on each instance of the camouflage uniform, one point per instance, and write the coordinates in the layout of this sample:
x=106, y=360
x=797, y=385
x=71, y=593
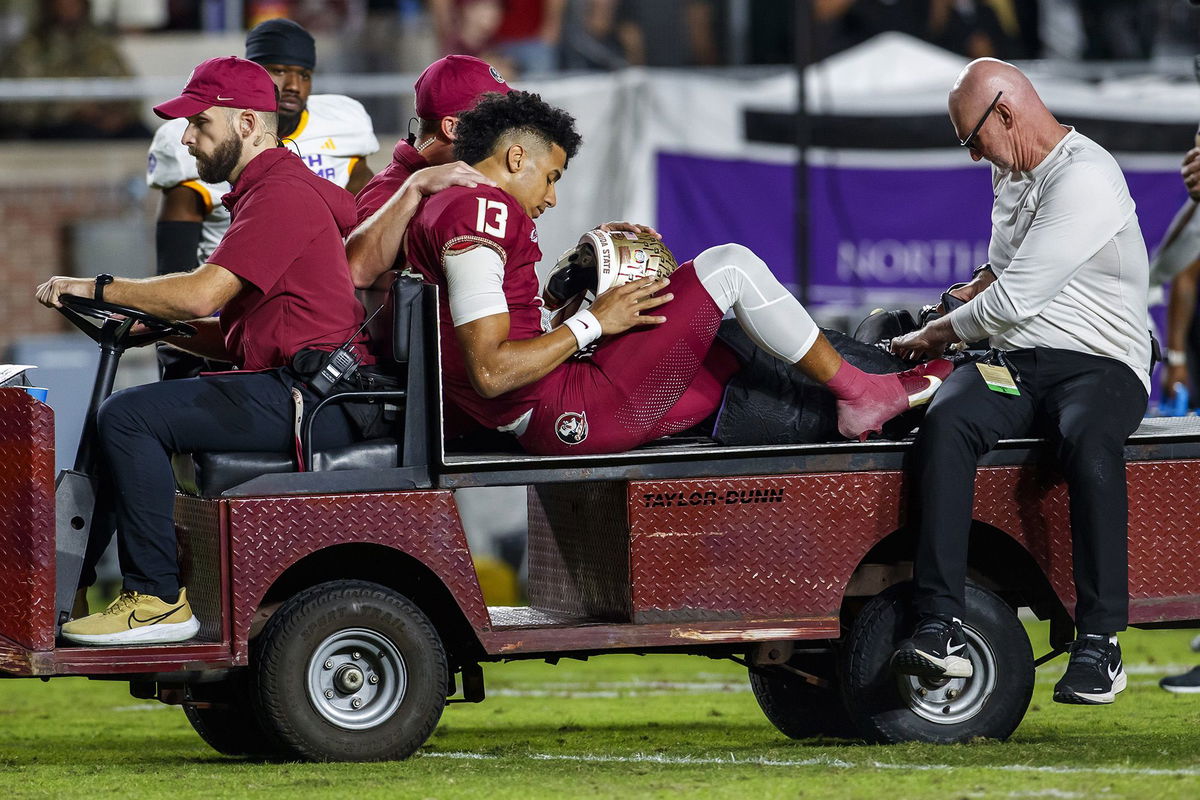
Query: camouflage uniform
x=87, y=52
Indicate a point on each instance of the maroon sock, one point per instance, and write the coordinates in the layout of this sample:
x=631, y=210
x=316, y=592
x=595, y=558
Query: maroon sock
x=849, y=382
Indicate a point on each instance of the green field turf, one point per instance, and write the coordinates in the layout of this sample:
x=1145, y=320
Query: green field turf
x=621, y=726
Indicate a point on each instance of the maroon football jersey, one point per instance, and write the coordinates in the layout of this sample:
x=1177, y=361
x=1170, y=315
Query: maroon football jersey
x=484, y=216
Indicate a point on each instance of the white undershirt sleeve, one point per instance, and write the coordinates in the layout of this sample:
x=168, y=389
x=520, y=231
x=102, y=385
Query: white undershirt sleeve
x=1172, y=259
x=474, y=284
x=1074, y=219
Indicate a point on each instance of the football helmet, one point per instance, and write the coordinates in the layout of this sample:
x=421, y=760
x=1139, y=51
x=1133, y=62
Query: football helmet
x=604, y=259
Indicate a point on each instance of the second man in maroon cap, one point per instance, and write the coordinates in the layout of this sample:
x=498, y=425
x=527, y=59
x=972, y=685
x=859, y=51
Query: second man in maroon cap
x=447, y=88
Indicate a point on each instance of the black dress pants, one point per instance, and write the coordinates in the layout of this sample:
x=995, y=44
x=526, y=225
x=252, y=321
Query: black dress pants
x=139, y=428
x=1087, y=406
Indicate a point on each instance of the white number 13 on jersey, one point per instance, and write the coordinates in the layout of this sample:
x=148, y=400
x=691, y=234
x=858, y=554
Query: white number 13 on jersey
x=497, y=212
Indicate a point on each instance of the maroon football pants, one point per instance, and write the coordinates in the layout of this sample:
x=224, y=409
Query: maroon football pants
x=640, y=385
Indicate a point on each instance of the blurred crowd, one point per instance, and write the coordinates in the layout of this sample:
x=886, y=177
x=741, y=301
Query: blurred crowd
x=82, y=38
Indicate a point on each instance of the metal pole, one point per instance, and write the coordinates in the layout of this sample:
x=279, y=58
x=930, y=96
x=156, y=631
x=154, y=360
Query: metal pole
x=738, y=18
x=804, y=57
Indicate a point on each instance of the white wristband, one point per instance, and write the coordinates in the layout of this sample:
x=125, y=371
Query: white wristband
x=585, y=326
x=1176, y=358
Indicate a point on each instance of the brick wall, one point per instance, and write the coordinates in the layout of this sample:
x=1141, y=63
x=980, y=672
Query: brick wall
x=44, y=189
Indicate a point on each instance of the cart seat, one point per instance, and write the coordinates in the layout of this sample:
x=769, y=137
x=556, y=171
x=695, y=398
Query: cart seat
x=398, y=342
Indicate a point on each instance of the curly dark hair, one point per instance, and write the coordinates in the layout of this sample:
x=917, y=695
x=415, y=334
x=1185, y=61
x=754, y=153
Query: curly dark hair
x=497, y=114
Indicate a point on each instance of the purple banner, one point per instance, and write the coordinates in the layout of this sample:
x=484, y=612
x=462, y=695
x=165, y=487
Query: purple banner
x=875, y=232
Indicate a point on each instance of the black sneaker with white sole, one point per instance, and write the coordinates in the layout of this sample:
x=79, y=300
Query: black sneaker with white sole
x=1095, y=673
x=938, y=649
x=1187, y=683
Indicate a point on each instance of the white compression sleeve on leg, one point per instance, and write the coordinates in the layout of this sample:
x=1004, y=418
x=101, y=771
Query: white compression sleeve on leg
x=736, y=278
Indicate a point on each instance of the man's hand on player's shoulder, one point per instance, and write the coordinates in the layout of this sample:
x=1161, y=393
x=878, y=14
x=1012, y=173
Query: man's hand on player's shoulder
x=432, y=180
x=624, y=307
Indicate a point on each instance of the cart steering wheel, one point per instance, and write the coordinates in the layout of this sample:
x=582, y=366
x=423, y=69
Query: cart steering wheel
x=116, y=322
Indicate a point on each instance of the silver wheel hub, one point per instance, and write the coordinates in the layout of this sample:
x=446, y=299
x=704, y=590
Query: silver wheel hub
x=950, y=701
x=356, y=678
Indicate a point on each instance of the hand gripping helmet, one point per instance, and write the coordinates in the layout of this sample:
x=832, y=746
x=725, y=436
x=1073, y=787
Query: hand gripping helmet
x=604, y=259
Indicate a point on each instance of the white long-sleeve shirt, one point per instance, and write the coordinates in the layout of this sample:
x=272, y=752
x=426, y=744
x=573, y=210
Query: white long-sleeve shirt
x=1069, y=258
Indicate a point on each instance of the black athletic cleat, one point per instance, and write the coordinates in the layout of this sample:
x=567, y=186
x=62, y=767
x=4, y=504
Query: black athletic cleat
x=938, y=649
x=1095, y=674
x=1187, y=683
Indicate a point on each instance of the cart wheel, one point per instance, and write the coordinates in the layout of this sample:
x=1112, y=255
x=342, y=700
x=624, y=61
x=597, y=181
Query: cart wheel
x=350, y=671
x=229, y=725
x=886, y=707
x=796, y=707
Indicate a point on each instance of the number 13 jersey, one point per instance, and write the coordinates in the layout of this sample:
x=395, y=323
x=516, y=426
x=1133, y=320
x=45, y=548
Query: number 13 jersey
x=459, y=219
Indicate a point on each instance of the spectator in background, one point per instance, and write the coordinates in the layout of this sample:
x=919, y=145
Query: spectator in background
x=518, y=36
x=592, y=36
x=465, y=27
x=975, y=28
x=840, y=24
x=1118, y=29
x=528, y=36
x=670, y=33
x=64, y=43
x=610, y=34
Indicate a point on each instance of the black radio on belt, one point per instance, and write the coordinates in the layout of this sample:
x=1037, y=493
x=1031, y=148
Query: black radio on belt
x=341, y=364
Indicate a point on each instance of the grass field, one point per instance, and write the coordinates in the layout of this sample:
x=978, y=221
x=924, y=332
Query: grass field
x=621, y=726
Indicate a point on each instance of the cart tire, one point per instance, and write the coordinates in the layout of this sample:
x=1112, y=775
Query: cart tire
x=888, y=708
x=350, y=671
x=230, y=726
x=796, y=707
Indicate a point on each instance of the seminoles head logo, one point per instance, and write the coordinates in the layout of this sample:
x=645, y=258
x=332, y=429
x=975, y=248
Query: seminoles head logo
x=571, y=427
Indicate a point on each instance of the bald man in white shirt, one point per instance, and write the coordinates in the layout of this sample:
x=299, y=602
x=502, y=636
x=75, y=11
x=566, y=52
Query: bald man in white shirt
x=1063, y=304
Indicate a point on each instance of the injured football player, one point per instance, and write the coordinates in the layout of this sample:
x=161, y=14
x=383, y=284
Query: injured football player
x=657, y=366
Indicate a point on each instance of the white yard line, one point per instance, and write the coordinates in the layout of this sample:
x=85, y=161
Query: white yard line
x=819, y=761
x=625, y=689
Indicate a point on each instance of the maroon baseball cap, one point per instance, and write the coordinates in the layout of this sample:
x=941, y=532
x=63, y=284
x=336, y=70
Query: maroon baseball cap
x=227, y=81
x=454, y=84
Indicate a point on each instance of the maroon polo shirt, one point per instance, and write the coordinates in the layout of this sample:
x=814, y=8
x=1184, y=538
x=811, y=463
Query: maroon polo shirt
x=285, y=242
x=405, y=161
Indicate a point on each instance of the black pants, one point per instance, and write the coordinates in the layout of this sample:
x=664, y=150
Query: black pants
x=1087, y=406
x=139, y=428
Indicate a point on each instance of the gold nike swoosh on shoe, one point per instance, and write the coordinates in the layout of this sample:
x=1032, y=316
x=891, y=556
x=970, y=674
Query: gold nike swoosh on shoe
x=133, y=617
x=922, y=397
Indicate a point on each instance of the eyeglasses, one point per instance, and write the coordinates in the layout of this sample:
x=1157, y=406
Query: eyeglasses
x=970, y=140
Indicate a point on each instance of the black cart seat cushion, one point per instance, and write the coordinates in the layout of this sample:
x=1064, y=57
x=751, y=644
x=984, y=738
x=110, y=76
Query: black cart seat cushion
x=211, y=474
